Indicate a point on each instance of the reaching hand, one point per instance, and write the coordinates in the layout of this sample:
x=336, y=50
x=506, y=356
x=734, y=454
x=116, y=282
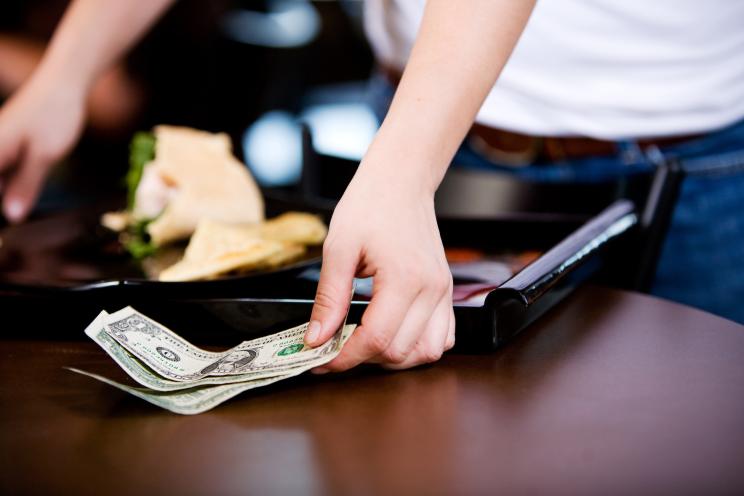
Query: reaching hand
x=386, y=230
x=38, y=125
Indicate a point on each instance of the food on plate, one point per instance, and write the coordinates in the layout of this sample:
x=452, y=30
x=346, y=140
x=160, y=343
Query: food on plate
x=186, y=183
x=178, y=177
x=218, y=248
x=250, y=255
x=295, y=227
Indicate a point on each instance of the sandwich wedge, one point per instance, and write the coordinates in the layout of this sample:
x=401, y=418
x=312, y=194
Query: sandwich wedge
x=217, y=248
x=178, y=177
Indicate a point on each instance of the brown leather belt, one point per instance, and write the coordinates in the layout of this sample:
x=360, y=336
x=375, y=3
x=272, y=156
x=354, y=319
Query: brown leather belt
x=516, y=149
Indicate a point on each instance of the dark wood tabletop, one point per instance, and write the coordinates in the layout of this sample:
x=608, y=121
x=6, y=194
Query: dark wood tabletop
x=610, y=393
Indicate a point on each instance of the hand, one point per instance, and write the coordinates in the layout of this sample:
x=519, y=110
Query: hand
x=388, y=230
x=38, y=126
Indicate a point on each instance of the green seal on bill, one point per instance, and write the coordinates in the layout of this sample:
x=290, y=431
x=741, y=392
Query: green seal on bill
x=291, y=349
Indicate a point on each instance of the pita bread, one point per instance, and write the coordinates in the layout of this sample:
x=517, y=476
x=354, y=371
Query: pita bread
x=260, y=257
x=293, y=230
x=289, y=253
x=295, y=227
x=204, y=181
x=216, y=249
x=213, y=238
x=250, y=257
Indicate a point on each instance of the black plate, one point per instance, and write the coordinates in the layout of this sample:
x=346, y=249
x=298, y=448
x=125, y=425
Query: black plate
x=70, y=251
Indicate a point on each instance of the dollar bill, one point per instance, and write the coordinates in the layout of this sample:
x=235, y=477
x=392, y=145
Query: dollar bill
x=192, y=400
x=144, y=375
x=176, y=359
x=197, y=398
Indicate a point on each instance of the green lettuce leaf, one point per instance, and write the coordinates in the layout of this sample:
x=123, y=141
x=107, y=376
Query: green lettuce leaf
x=141, y=151
x=138, y=242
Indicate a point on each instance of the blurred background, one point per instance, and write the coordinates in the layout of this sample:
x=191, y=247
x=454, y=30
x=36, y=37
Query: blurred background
x=256, y=69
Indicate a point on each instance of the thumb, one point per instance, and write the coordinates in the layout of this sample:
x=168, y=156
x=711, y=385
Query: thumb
x=333, y=295
x=23, y=188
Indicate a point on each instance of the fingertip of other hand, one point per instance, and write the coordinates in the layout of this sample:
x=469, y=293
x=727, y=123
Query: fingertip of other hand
x=14, y=210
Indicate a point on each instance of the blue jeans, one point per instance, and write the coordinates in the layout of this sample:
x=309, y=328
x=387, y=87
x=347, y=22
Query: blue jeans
x=702, y=260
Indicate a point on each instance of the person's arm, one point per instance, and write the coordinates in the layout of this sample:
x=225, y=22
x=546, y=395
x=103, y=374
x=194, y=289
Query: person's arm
x=384, y=226
x=44, y=118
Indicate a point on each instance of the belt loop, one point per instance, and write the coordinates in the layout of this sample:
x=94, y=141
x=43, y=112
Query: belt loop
x=630, y=152
x=655, y=156
x=554, y=149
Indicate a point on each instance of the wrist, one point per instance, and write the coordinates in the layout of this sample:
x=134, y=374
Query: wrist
x=56, y=84
x=398, y=161
x=397, y=176
x=53, y=74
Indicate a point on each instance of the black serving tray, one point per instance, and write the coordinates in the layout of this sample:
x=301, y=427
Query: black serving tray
x=228, y=311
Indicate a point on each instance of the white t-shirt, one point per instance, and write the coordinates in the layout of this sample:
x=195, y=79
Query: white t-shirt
x=603, y=68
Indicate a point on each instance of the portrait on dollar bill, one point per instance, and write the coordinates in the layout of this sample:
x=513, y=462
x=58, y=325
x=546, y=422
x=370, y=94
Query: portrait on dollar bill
x=232, y=363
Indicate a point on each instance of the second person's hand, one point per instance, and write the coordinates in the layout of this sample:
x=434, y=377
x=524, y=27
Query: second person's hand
x=39, y=124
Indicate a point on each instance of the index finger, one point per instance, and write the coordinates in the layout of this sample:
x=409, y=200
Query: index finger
x=10, y=151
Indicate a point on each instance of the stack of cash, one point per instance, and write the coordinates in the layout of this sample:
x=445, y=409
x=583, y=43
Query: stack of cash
x=185, y=379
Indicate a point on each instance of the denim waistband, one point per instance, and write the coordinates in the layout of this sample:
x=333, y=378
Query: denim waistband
x=717, y=152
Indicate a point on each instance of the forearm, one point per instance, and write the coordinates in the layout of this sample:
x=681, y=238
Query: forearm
x=385, y=225
x=459, y=53
x=93, y=34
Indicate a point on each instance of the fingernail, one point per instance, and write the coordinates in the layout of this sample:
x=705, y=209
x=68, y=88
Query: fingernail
x=313, y=329
x=14, y=210
x=319, y=371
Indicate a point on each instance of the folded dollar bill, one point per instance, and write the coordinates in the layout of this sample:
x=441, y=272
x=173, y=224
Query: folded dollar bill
x=186, y=379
